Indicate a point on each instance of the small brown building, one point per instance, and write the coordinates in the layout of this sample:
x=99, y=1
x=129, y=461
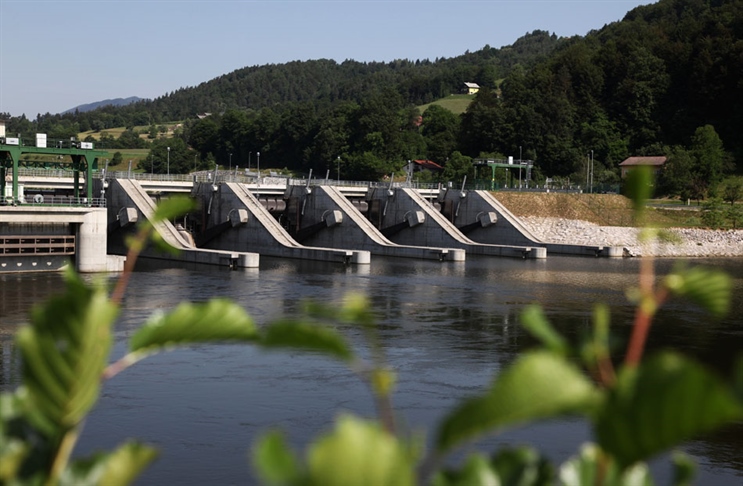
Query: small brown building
x=655, y=163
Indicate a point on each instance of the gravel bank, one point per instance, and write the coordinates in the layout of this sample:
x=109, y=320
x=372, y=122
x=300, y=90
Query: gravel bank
x=691, y=242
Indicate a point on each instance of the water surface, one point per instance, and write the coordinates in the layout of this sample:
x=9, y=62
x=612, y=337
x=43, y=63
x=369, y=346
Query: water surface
x=446, y=328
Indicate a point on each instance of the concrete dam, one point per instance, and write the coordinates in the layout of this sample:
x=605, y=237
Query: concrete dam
x=234, y=223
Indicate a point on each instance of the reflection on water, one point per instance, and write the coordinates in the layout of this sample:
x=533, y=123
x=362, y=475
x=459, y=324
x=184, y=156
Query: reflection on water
x=447, y=329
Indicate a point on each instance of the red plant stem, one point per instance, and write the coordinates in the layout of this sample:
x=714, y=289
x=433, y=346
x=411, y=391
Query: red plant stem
x=131, y=259
x=606, y=371
x=639, y=336
x=650, y=300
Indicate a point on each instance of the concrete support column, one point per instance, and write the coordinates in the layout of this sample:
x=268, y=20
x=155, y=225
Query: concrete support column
x=91, y=242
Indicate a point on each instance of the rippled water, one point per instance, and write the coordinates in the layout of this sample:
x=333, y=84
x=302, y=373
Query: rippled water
x=446, y=328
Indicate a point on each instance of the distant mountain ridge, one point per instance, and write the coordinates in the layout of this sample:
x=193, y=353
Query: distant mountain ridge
x=98, y=104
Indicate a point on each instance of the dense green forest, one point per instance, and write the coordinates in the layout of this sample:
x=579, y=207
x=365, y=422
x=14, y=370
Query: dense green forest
x=666, y=80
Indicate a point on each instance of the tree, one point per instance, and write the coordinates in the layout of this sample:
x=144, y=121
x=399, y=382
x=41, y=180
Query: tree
x=681, y=177
x=731, y=189
x=177, y=160
x=204, y=136
x=457, y=167
x=481, y=124
x=707, y=149
x=366, y=167
x=440, y=129
x=129, y=139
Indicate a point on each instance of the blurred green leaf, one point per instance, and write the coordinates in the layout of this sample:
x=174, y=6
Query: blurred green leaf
x=12, y=454
x=357, y=310
x=709, y=288
x=589, y=468
x=534, y=321
x=319, y=310
x=684, y=469
x=536, y=386
x=171, y=208
x=522, y=466
x=161, y=245
x=510, y=467
x=665, y=401
x=383, y=381
x=126, y=463
x=476, y=471
x=64, y=353
x=217, y=320
x=118, y=468
x=639, y=187
x=274, y=461
x=360, y=453
x=292, y=334
x=595, y=351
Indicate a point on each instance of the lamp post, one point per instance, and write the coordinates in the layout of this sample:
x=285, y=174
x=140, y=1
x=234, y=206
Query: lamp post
x=168, y=161
x=249, y=154
x=339, y=169
x=591, y=171
x=520, y=159
x=258, y=157
x=230, y=169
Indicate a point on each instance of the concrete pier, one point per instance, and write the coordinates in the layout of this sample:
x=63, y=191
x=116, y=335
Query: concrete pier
x=321, y=215
x=129, y=203
x=88, y=225
x=467, y=209
x=406, y=218
x=231, y=217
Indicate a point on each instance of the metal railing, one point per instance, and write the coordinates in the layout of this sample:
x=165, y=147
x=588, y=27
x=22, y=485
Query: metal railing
x=278, y=180
x=335, y=182
x=58, y=201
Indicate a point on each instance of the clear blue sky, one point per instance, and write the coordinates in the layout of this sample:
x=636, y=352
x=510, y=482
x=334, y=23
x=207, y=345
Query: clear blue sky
x=57, y=54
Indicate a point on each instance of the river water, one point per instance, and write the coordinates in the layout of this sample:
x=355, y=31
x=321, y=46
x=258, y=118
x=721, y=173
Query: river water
x=447, y=328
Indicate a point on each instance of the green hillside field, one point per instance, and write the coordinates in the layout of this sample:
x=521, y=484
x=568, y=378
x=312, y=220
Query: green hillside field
x=456, y=103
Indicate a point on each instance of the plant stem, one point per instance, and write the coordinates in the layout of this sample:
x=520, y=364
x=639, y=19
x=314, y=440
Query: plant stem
x=650, y=300
x=125, y=362
x=131, y=258
x=63, y=456
x=643, y=313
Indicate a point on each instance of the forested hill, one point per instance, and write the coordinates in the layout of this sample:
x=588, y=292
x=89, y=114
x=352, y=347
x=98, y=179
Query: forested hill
x=666, y=80
x=634, y=87
x=323, y=82
x=326, y=81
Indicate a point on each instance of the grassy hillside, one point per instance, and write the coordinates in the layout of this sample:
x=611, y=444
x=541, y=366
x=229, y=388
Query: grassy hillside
x=601, y=209
x=143, y=131
x=456, y=103
x=137, y=157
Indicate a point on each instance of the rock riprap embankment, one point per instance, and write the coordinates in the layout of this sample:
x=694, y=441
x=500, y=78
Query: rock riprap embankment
x=691, y=242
